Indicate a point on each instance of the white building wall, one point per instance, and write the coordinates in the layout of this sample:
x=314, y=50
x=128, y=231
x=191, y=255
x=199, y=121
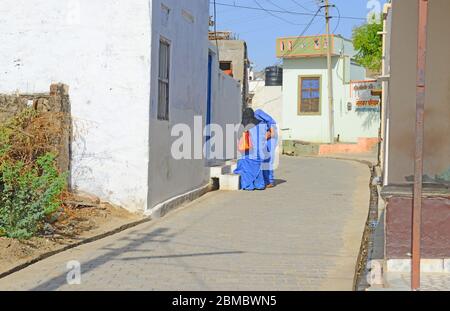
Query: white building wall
x=344, y=46
x=269, y=99
x=107, y=52
x=186, y=27
x=350, y=124
x=311, y=128
x=387, y=29
x=101, y=49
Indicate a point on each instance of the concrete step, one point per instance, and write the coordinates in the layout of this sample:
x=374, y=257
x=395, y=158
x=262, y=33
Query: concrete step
x=229, y=182
x=233, y=167
x=230, y=162
x=217, y=171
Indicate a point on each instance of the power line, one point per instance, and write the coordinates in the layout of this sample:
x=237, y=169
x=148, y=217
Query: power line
x=262, y=9
x=273, y=14
x=339, y=18
x=261, y=29
x=283, y=12
x=215, y=29
x=281, y=8
x=302, y=6
x=276, y=5
x=300, y=35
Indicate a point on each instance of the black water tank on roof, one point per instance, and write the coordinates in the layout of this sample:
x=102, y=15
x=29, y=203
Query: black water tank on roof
x=274, y=76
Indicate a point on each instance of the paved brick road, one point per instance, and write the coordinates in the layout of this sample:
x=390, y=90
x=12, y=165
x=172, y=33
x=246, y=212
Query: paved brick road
x=304, y=234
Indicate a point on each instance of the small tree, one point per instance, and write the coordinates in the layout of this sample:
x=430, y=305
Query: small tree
x=369, y=44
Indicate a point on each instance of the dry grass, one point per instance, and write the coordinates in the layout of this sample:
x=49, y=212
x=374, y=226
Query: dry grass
x=32, y=134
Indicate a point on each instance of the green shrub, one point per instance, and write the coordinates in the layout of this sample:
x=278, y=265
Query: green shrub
x=28, y=194
x=30, y=184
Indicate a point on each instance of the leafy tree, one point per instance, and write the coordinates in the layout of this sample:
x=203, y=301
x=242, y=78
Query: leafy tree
x=369, y=44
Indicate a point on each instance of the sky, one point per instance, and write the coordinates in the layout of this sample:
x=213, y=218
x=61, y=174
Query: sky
x=260, y=28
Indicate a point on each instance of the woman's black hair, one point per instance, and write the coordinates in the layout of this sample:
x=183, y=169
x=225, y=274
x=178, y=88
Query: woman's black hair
x=248, y=118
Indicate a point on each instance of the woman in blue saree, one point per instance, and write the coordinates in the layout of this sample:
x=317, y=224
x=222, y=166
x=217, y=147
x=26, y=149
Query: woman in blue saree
x=253, y=148
x=272, y=142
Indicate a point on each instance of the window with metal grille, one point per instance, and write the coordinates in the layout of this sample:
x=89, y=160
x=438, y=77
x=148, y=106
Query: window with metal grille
x=309, y=95
x=163, y=80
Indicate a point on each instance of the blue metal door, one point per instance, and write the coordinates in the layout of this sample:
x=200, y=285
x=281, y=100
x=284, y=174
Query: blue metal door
x=208, y=105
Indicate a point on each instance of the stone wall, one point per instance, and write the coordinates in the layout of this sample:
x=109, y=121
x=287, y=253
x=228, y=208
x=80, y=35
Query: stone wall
x=57, y=102
x=11, y=105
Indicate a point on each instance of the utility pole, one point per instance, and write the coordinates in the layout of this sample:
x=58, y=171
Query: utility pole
x=418, y=157
x=330, y=73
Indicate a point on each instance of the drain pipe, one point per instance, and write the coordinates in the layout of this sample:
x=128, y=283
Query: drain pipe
x=418, y=158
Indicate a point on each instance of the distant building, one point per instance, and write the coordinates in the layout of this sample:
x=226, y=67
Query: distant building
x=254, y=75
x=356, y=112
x=233, y=59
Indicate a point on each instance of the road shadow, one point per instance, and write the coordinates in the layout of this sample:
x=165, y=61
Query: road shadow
x=134, y=240
x=279, y=182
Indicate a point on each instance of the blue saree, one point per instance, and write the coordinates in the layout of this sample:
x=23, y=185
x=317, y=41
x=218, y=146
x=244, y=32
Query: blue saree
x=272, y=142
x=249, y=166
